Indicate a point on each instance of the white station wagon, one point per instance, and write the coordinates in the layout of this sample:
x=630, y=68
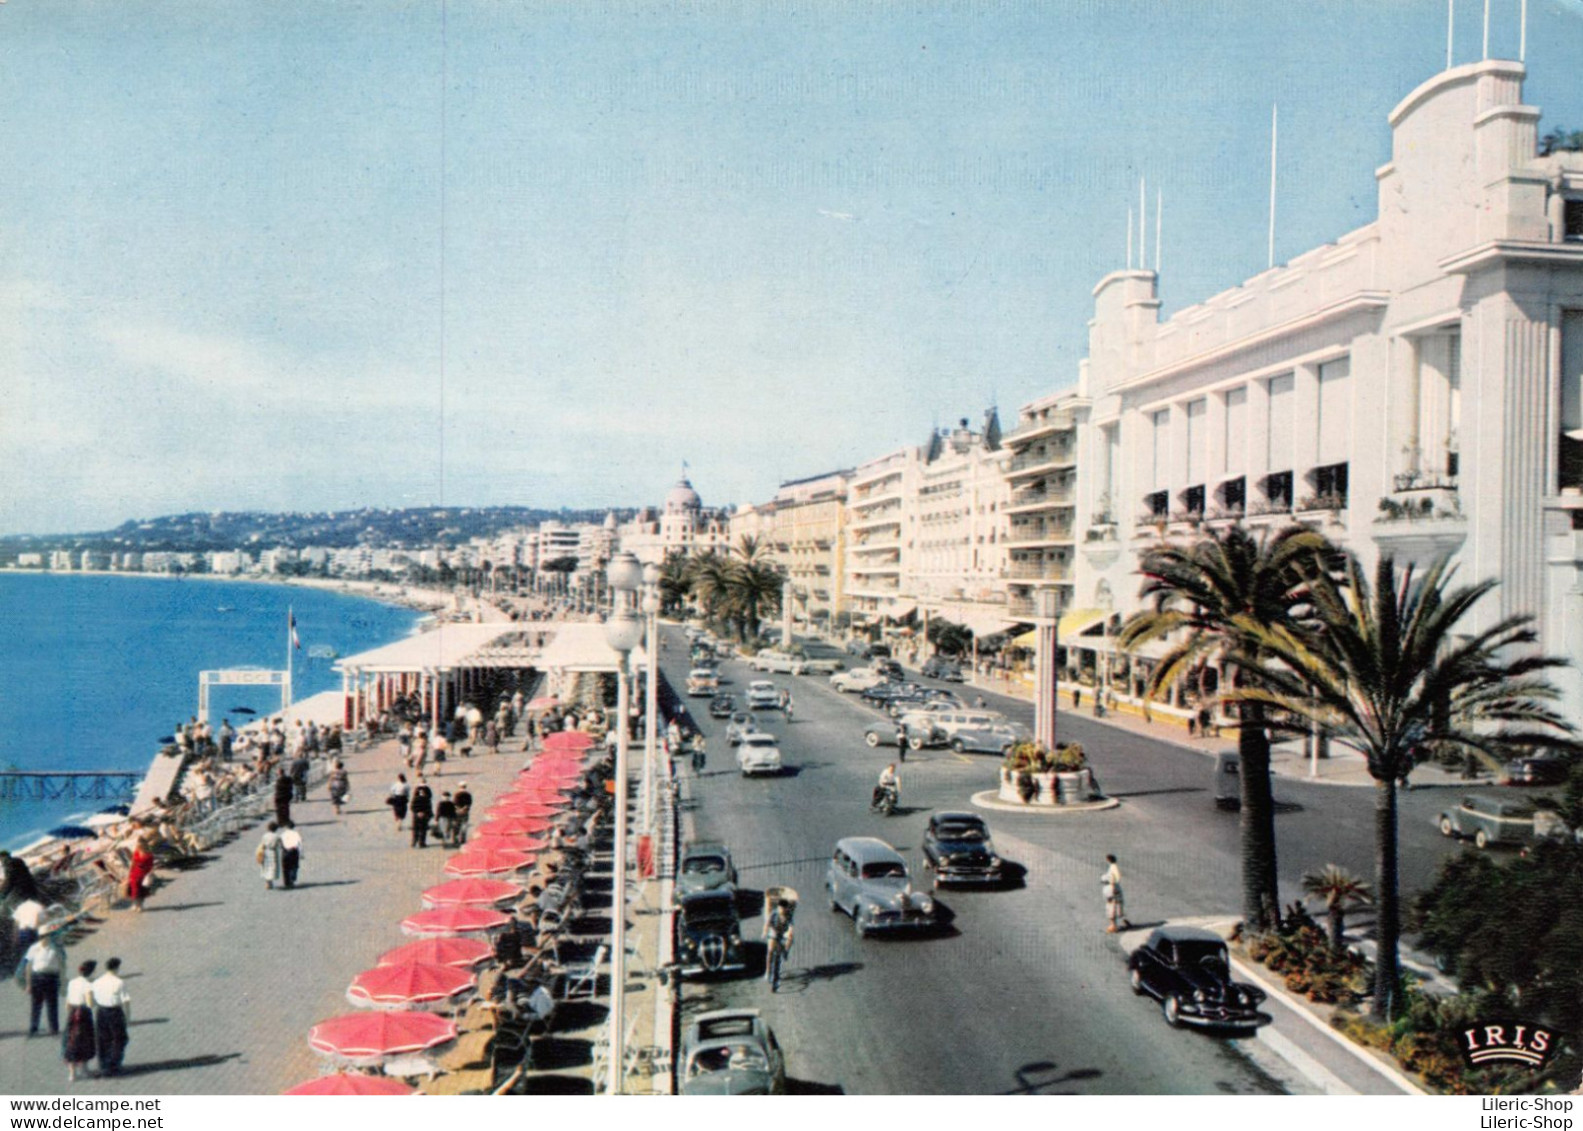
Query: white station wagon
x=758, y=754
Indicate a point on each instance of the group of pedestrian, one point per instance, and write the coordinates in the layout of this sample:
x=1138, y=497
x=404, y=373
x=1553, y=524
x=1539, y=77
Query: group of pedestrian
x=279, y=855
x=97, y=1009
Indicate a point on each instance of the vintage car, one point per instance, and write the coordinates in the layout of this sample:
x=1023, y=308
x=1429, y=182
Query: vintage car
x=763, y=694
x=703, y=681
x=722, y=707
x=991, y=738
x=705, y=866
x=1537, y=769
x=867, y=879
x=919, y=734
x=758, y=754
x=883, y=694
x=821, y=666
x=1188, y=971
x=957, y=848
x=731, y=1052
x=938, y=667
x=709, y=932
x=1490, y=820
x=740, y=726
x=858, y=679
x=774, y=660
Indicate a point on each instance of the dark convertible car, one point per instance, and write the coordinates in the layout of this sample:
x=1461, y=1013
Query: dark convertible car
x=1188, y=971
x=722, y=707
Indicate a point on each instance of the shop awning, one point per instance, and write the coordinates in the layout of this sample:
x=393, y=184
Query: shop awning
x=981, y=622
x=898, y=609
x=1073, y=622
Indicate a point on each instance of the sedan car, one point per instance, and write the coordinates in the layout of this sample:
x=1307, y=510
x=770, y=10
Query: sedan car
x=957, y=848
x=709, y=933
x=758, y=754
x=996, y=738
x=702, y=681
x=722, y=707
x=740, y=727
x=867, y=879
x=1187, y=970
x=1537, y=769
x=919, y=734
x=822, y=666
x=1490, y=820
x=858, y=679
x=763, y=694
x=882, y=694
x=938, y=667
x=731, y=1052
x=705, y=866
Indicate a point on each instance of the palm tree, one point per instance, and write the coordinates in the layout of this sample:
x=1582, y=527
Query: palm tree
x=750, y=548
x=1341, y=891
x=756, y=592
x=709, y=582
x=1201, y=595
x=673, y=581
x=1390, y=671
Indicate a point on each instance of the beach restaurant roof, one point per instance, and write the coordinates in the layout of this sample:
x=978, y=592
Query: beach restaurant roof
x=581, y=647
x=547, y=646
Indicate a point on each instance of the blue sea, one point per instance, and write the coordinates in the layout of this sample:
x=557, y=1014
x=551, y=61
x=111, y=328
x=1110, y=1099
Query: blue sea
x=96, y=670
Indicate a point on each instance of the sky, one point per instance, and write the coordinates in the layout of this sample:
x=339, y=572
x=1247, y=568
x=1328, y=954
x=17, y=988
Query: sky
x=308, y=256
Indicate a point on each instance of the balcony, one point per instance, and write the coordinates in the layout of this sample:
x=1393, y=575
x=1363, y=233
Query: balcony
x=1024, y=608
x=1036, y=498
x=1039, y=534
x=1038, y=571
x=889, y=516
x=1421, y=521
x=1034, y=429
x=1051, y=459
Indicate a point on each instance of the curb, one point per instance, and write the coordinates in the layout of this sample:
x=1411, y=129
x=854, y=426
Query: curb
x=990, y=799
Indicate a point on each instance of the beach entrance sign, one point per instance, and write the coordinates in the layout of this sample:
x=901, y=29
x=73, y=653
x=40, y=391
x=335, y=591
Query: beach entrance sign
x=253, y=677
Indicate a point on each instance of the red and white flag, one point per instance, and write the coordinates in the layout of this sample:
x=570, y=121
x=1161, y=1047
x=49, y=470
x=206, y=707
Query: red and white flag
x=291, y=621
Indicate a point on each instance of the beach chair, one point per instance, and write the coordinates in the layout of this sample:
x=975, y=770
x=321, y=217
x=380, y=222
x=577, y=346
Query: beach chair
x=580, y=981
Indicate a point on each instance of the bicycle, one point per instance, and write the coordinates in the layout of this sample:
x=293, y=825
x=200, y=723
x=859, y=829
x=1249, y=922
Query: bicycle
x=773, y=961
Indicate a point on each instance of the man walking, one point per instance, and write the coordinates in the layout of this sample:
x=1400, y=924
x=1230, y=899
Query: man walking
x=290, y=854
x=445, y=817
x=422, y=812
x=464, y=813
x=43, y=965
x=112, y=1009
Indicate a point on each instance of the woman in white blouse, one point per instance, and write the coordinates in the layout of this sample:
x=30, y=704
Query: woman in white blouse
x=79, y=1047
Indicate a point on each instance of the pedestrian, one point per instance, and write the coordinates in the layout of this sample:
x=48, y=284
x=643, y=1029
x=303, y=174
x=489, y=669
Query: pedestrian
x=299, y=774
x=404, y=742
x=340, y=786
x=25, y=917
x=79, y=1047
x=284, y=791
x=142, y=872
x=112, y=1011
x=42, y=967
x=1204, y=716
x=441, y=748
x=227, y=740
x=1077, y=698
x=422, y=812
x=464, y=813
x=397, y=797
x=901, y=740
x=268, y=854
x=492, y=736
x=979, y=702
x=445, y=817
x=290, y=853
x=420, y=750
x=1115, y=908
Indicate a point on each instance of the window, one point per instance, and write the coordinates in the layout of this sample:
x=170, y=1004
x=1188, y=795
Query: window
x=1335, y=410
x=1193, y=500
x=1330, y=487
x=1159, y=471
x=1280, y=430
x=1233, y=495
x=1157, y=504
x=1235, y=449
x=1197, y=413
x=1574, y=221
x=1570, y=456
x=1278, y=491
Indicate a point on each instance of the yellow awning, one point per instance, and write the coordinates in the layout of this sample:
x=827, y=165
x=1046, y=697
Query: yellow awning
x=1074, y=622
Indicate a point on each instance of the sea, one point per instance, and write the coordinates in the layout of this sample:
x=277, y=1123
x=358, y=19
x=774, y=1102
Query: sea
x=97, y=671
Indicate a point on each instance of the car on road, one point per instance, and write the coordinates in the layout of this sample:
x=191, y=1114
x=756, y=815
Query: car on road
x=740, y=727
x=1544, y=768
x=889, y=667
x=763, y=694
x=995, y=738
x=938, y=667
x=772, y=660
x=819, y=666
x=705, y=866
x=919, y=734
x=1188, y=971
x=709, y=932
x=868, y=880
x=722, y=707
x=732, y=1052
x=958, y=849
x=883, y=694
x=1489, y=820
x=703, y=681
x=858, y=679
x=759, y=753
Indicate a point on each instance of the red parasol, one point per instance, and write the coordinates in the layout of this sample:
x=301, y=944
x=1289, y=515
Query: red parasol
x=544, y=702
x=527, y=810
x=369, y=1037
x=350, y=1084
x=510, y=826
x=487, y=862
x=416, y=983
x=440, y=952
x=456, y=920
x=467, y=893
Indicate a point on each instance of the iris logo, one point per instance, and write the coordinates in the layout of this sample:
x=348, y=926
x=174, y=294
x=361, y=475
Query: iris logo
x=1507, y=1041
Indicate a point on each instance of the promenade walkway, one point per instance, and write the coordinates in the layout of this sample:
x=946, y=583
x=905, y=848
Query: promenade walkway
x=226, y=977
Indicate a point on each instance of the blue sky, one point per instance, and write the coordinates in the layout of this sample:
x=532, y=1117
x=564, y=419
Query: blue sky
x=313, y=256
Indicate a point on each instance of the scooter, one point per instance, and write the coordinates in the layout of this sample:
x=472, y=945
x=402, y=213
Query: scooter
x=885, y=800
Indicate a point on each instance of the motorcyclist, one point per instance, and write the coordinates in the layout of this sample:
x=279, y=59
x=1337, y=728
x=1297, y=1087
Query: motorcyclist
x=888, y=780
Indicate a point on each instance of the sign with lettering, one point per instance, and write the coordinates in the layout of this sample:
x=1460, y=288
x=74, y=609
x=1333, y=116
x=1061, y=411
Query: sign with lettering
x=1511, y=1042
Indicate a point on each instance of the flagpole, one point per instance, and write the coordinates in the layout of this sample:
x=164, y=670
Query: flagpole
x=291, y=620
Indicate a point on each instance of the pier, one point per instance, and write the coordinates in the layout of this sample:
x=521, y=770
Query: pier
x=68, y=785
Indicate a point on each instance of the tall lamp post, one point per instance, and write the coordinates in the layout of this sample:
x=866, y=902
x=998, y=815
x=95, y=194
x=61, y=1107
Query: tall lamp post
x=623, y=631
x=651, y=614
x=1048, y=610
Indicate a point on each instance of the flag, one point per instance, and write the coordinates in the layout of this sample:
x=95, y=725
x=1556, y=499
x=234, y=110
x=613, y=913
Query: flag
x=291, y=620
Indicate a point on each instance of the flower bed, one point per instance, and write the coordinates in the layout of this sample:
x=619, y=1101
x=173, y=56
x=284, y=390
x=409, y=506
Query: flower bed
x=1032, y=775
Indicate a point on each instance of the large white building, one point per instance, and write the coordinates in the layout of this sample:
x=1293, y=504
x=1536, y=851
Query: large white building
x=682, y=526
x=1415, y=388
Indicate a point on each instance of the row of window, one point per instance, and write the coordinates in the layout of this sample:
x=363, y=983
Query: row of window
x=1327, y=484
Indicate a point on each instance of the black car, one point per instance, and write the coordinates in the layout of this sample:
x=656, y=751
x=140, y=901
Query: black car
x=1188, y=970
x=709, y=933
x=958, y=850
x=1536, y=769
x=881, y=694
x=722, y=707
x=938, y=667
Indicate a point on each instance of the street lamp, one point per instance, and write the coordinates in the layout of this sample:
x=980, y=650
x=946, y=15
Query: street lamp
x=1047, y=607
x=622, y=632
x=651, y=612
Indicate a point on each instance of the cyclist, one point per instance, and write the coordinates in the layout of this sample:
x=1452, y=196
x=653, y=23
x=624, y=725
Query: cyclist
x=786, y=704
x=778, y=933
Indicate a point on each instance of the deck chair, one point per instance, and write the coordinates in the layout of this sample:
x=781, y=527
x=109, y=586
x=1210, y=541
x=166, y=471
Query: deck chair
x=582, y=978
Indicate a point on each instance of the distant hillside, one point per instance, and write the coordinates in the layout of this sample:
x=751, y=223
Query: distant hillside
x=408, y=527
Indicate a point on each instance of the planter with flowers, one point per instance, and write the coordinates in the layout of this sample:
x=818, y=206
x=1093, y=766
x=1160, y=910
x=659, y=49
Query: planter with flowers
x=1033, y=775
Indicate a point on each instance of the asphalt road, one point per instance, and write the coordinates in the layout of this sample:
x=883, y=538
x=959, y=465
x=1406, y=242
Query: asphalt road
x=1023, y=991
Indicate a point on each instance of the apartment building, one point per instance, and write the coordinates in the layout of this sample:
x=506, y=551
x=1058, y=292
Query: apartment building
x=803, y=528
x=1041, y=508
x=880, y=531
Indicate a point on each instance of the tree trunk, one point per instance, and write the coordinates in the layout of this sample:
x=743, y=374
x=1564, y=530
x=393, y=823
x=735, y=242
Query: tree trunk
x=1338, y=925
x=1261, y=900
x=1388, y=931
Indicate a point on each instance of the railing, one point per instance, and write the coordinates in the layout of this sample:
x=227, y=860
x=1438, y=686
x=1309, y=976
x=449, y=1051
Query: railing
x=1041, y=571
x=1029, y=496
x=1063, y=454
x=1023, y=608
x=1035, y=532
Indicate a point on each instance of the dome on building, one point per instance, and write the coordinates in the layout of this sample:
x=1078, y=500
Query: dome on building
x=682, y=497
x=610, y=520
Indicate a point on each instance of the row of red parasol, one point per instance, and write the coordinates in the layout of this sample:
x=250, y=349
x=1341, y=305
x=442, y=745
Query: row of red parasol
x=400, y=993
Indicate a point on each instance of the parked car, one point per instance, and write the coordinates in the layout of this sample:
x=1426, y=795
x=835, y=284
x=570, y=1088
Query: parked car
x=881, y=694
x=731, y=1052
x=867, y=879
x=1228, y=780
x=740, y=727
x=991, y=738
x=758, y=753
x=938, y=667
x=772, y=660
x=705, y=866
x=703, y=681
x=722, y=707
x=957, y=848
x=1490, y=820
x=762, y=693
x=1188, y=971
x=813, y=666
x=888, y=667
x=858, y=679
x=919, y=734
x=1545, y=768
x=709, y=932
